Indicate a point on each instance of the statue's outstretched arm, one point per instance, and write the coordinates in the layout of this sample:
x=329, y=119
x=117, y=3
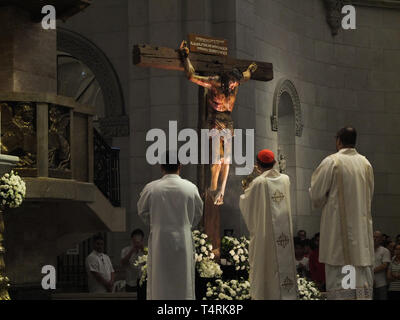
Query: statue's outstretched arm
x=250, y=70
x=204, y=81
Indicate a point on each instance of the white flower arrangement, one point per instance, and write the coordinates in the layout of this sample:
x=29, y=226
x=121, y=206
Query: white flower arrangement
x=307, y=289
x=141, y=262
x=208, y=269
x=236, y=251
x=202, y=246
x=12, y=190
x=229, y=290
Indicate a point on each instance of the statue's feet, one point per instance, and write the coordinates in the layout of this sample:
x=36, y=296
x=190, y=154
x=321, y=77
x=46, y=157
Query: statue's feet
x=219, y=198
x=216, y=196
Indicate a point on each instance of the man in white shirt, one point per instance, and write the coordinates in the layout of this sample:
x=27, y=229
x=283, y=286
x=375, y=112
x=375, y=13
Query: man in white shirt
x=343, y=186
x=172, y=207
x=128, y=256
x=99, y=268
x=382, y=260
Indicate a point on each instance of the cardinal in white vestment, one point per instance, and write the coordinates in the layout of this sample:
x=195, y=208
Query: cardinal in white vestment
x=265, y=207
x=343, y=186
x=172, y=206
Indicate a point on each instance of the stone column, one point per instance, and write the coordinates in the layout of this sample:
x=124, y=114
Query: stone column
x=28, y=61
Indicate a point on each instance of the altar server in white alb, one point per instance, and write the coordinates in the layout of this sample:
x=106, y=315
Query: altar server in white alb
x=343, y=186
x=265, y=207
x=172, y=206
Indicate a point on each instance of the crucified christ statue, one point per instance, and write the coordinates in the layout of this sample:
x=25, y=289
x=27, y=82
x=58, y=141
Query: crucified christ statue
x=221, y=97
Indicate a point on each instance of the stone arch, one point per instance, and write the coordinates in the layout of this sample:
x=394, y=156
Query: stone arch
x=116, y=122
x=287, y=86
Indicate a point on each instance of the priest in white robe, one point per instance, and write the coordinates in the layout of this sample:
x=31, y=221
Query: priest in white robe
x=172, y=206
x=265, y=207
x=343, y=187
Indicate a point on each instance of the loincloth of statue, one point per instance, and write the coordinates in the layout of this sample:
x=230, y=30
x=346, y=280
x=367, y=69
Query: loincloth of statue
x=222, y=121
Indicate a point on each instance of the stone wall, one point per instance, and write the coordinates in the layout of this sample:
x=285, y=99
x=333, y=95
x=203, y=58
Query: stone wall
x=346, y=79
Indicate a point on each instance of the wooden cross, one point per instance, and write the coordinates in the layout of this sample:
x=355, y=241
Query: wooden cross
x=145, y=55
x=166, y=58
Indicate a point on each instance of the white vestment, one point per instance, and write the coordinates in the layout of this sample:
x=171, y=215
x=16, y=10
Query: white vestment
x=265, y=207
x=343, y=187
x=172, y=206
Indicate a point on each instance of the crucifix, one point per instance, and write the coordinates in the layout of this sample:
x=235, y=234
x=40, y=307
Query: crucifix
x=207, y=64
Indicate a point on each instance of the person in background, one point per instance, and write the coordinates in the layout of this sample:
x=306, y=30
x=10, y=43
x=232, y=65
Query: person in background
x=317, y=269
x=393, y=275
x=302, y=262
x=398, y=239
x=302, y=234
x=99, y=268
x=385, y=240
x=390, y=246
x=382, y=260
x=307, y=248
x=128, y=257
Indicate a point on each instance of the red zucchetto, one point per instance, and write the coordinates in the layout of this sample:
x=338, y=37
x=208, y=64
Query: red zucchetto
x=266, y=156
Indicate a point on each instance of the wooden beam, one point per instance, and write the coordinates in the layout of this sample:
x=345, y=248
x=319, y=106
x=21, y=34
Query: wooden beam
x=166, y=58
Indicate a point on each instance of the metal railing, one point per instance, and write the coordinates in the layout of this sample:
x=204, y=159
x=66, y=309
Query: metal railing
x=106, y=169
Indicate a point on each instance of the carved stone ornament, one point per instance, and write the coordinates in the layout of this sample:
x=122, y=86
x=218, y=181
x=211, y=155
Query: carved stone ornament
x=18, y=132
x=114, y=126
x=59, y=144
x=285, y=85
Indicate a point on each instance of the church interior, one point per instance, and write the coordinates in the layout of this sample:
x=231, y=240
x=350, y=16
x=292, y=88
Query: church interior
x=82, y=83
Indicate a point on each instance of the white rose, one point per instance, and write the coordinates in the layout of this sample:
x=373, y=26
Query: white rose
x=202, y=241
x=203, y=249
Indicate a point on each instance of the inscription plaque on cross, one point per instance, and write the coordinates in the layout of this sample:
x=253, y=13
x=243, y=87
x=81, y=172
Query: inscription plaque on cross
x=206, y=62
